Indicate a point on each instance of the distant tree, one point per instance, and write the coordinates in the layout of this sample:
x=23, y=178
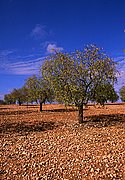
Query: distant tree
x=122, y=93
x=25, y=94
x=32, y=86
x=38, y=90
x=18, y=95
x=2, y=102
x=45, y=93
x=9, y=99
x=76, y=77
x=104, y=93
x=113, y=96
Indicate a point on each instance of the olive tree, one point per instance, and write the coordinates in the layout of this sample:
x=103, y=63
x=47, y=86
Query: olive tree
x=104, y=93
x=32, y=86
x=19, y=95
x=38, y=90
x=8, y=98
x=75, y=77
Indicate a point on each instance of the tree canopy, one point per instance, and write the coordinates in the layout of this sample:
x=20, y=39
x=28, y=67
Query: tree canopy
x=104, y=93
x=76, y=77
x=8, y=98
x=38, y=91
x=35, y=89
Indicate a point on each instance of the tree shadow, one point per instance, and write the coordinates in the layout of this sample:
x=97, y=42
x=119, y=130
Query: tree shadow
x=3, y=108
x=20, y=112
x=60, y=110
x=17, y=112
x=26, y=127
x=30, y=105
x=105, y=120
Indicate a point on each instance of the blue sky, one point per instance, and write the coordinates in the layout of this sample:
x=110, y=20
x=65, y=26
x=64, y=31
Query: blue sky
x=29, y=29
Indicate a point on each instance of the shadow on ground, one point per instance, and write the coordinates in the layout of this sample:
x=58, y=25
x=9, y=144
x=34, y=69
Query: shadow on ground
x=4, y=108
x=90, y=121
x=6, y=113
x=19, y=112
x=25, y=127
x=105, y=120
x=60, y=110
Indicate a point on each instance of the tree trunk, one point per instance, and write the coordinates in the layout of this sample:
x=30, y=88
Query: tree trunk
x=80, y=115
x=41, y=108
x=27, y=105
x=20, y=103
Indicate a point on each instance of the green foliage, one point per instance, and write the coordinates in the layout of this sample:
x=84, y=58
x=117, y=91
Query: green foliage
x=38, y=90
x=9, y=99
x=122, y=93
x=34, y=90
x=76, y=77
x=19, y=95
x=32, y=86
x=104, y=93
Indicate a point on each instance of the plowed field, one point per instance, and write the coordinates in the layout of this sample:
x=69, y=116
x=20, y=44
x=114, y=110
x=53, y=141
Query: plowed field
x=52, y=145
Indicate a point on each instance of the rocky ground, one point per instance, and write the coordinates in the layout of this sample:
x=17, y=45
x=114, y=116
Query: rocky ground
x=52, y=145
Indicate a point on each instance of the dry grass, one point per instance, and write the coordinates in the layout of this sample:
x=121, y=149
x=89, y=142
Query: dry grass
x=52, y=145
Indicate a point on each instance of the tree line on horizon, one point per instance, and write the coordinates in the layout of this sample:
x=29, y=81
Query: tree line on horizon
x=71, y=78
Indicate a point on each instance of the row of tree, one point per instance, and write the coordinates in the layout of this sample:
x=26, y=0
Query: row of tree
x=71, y=78
x=34, y=90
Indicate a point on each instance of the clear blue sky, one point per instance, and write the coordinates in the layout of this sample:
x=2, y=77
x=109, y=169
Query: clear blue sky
x=30, y=28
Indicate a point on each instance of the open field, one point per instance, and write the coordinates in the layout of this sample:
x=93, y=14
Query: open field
x=52, y=145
